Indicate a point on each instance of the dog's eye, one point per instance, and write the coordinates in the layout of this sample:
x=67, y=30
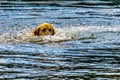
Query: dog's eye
x=50, y=30
x=44, y=30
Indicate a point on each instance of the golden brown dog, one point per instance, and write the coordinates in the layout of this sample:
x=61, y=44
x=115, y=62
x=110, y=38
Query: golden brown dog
x=44, y=29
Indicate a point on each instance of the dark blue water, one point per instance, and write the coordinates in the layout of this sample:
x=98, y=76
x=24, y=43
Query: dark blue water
x=86, y=45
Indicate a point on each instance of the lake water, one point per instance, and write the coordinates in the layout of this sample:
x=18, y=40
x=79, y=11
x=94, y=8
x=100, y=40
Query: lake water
x=86, y=45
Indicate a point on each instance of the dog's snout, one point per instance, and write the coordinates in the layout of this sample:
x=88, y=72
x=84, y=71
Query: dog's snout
x=48, y=33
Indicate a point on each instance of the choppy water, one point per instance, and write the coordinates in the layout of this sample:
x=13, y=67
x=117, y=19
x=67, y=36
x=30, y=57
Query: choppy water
x=86, y=45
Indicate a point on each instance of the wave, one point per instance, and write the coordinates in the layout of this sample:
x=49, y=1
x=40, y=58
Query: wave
x=62, y=34
x=24, y=36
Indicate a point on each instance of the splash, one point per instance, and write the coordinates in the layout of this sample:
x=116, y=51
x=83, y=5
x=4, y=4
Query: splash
x=62, y=34
x=24, y=36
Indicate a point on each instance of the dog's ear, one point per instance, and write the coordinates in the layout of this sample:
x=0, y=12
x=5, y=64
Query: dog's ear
x=36, y=32
x=53, y=32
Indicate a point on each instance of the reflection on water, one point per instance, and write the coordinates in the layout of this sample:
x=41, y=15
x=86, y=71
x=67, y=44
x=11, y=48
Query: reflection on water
x=86, y=45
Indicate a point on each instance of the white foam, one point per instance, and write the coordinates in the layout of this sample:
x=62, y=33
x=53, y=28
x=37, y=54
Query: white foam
x=62, y=34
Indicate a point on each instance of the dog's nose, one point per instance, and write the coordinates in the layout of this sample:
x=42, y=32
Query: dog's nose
x=47, y=33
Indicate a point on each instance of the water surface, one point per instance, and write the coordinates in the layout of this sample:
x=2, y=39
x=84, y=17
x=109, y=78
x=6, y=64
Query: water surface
x=86, y=45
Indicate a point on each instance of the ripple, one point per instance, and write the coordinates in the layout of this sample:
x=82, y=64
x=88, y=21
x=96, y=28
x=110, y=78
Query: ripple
x=85, y=46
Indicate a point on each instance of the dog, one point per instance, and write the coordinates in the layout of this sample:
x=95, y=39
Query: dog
x=44, y=29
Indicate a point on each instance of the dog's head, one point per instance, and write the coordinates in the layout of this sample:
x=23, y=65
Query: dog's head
x=44, y=29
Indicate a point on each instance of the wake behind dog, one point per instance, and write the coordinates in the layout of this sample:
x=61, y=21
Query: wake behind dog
x=60, y=34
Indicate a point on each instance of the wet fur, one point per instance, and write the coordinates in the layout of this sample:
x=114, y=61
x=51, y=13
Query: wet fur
x=44, y=29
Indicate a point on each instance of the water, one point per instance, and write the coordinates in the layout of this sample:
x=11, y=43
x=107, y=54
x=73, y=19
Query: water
x=86, y=45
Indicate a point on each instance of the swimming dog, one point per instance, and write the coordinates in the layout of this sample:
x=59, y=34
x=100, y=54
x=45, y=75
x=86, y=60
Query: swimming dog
x=44, y=29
